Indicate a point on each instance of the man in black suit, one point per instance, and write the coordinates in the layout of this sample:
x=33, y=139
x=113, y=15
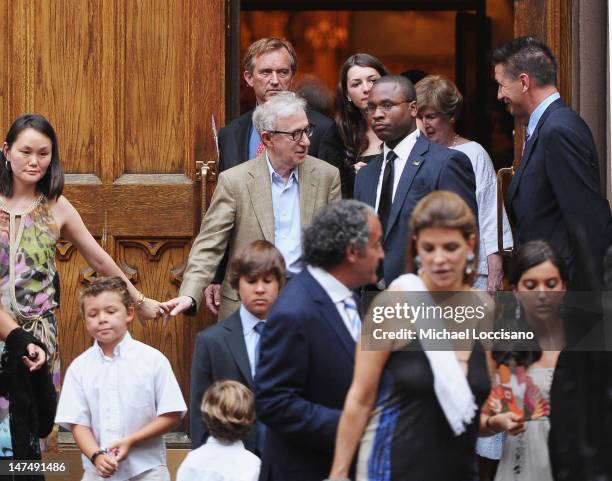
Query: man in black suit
x=555, y=194
x=410, y=167
x=269, y=67
x=229, y=349
x=308, y=344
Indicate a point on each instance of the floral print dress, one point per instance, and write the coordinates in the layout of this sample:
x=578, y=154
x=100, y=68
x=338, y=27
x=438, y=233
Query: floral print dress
x=27, y=270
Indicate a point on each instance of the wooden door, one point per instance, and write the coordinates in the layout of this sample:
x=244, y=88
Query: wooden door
x=130, y=87
x=473, y=74
x=551, y=21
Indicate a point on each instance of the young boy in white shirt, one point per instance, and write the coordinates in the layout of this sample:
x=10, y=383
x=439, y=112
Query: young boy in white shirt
x=228, y=413
x=120, y=396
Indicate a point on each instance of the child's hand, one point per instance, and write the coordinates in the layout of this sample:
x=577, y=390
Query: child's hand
x=106, y=465
x=121, y=448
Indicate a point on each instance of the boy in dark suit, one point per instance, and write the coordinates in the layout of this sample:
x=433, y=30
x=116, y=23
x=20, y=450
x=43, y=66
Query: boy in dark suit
x=230, y=348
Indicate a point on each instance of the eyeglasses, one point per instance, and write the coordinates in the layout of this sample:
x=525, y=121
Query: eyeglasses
x=297, y=135
x=385, y=106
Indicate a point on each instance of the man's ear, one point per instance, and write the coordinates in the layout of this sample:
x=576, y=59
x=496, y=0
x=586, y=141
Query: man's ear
x=266, y=138
x=414, y=111
x=351, y=254
x=248, y=77
x=525, y=81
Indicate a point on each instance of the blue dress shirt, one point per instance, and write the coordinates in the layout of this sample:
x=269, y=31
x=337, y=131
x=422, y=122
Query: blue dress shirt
x=287, y=223
x=534, y=118
x=254, y=140
x=250, y=335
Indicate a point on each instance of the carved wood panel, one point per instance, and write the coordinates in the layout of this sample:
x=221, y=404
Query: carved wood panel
x=130, y=87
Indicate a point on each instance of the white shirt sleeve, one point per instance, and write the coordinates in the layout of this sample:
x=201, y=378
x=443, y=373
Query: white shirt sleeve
x=486, y=198
x=72, y=407
x=168, y=394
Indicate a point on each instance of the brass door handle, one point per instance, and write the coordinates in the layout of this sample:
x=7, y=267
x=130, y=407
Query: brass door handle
x=206, y=171
x=205, y=174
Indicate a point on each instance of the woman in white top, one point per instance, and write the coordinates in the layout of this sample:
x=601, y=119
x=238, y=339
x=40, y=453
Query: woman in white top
x=439, y=105
x=538, y=277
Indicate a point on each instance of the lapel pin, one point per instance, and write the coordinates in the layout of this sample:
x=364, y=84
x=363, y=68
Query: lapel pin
x=416, y=162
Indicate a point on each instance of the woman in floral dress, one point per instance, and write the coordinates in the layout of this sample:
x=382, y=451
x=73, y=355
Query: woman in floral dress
x=33, y=215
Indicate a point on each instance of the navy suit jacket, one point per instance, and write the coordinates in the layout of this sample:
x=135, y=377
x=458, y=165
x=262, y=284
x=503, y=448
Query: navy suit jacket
x=430, y=167
x=325, y=143
x=220, y=353
x=556, y=191
x=305, y=370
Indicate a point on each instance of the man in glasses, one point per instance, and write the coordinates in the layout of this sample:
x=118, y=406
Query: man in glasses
x=269, y=65
x=271, y=197
x=410, y=167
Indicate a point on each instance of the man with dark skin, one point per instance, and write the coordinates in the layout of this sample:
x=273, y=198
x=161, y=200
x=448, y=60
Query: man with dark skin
x=410, y=167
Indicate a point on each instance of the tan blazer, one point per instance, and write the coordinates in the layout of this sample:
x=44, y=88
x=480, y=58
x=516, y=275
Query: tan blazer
x=241, y=212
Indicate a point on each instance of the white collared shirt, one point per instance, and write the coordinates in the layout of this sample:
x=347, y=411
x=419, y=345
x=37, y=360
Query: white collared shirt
x=218, y=461
x=251, y=338
x=402, y=150
x=118, y=396
x=337, y=292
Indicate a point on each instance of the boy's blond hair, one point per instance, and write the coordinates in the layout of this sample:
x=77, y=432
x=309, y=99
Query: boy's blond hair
x=228, y=410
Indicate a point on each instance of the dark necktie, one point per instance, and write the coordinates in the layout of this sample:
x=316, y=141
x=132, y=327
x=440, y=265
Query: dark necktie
x=260, y=427
x=258, y=328
x=386, y=190
x=527, y=135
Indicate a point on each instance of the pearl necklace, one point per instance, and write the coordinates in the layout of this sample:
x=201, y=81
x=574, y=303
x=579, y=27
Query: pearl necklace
x=455, y=139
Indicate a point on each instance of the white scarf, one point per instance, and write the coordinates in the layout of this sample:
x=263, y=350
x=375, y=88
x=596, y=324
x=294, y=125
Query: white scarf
x=450, y=383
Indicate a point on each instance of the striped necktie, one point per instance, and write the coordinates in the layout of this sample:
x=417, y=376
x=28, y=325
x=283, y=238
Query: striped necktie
x=350, y=307
x=527, y=135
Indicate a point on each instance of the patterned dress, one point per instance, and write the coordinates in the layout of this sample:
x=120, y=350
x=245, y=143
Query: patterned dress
x=525, y=456
x=27, y=270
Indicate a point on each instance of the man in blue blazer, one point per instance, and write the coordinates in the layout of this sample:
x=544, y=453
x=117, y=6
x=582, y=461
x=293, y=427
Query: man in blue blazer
x=555, y=194
x=308, y=344
x=410, y=168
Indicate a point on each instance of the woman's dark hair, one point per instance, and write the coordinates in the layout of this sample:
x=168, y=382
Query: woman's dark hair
x=350, y=119
x=533, y=254
x=527, y=256
x=52, y=184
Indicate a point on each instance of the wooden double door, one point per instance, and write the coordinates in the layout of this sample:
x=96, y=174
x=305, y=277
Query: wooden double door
x=131, y=87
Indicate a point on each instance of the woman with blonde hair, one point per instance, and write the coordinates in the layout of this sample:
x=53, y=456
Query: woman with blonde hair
x=439, y=105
